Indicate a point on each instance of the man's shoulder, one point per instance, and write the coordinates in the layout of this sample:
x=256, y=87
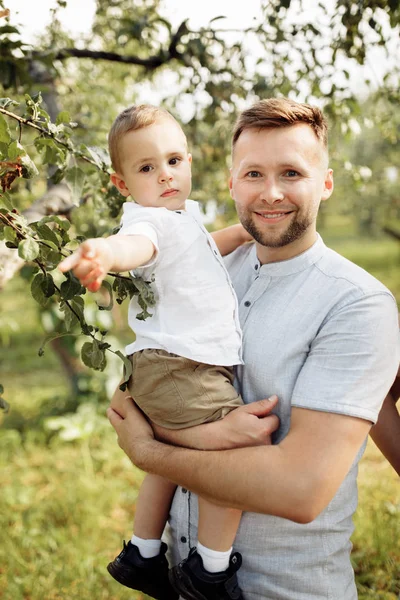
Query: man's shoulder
x=335, y=266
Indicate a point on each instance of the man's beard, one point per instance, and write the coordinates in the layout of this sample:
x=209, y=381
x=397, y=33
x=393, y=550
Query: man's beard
x=295, y=231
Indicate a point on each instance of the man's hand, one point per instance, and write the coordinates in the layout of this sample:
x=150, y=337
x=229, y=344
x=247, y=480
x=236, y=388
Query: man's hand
x=90, y=263
x=248, y=425
x=132, y=427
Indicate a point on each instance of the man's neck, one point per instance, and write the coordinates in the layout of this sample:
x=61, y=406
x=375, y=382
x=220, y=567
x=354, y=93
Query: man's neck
x=267, y=254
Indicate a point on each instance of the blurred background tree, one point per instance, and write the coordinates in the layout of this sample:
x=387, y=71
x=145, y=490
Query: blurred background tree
x=204, y=76
x=342, y=55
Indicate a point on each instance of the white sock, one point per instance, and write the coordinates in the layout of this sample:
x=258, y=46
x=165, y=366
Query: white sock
x=147, y=548
x=214, y=561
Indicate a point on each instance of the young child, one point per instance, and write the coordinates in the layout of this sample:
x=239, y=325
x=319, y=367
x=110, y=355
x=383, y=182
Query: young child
x=183, y=355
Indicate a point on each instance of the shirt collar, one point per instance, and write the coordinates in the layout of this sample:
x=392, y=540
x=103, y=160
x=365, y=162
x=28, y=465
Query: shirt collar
x=292, y=265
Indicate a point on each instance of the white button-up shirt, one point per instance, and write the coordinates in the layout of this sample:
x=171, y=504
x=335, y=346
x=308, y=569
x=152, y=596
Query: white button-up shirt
x=196, y=310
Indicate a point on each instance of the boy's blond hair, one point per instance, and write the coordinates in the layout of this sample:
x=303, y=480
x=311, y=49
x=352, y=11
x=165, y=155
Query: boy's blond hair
x=281, y=112
x=131, y=119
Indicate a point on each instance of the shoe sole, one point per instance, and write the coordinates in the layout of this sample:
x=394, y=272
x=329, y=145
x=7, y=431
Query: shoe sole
x=183, y=585
x=123, y=578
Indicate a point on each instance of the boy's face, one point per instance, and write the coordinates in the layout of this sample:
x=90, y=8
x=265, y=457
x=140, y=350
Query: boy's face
x=155, y=166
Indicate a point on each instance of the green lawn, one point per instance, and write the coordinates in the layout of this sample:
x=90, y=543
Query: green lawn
x=66, y=506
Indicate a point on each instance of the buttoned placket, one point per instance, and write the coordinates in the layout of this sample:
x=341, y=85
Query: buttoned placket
x=256, y=290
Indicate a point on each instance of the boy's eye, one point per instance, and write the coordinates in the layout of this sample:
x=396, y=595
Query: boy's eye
x=146, y=169
x=174, y=161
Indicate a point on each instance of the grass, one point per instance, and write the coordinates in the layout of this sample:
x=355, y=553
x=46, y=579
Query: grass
x=66, y=506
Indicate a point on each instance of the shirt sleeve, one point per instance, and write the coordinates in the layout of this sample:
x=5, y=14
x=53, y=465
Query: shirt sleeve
x=353, y=360
x=146, y=229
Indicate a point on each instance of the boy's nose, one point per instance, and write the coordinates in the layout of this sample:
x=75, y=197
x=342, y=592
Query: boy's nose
x=165, y=176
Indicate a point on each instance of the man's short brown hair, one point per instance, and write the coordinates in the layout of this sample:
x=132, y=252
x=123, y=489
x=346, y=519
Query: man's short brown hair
x=131, y=119
x=281, y=112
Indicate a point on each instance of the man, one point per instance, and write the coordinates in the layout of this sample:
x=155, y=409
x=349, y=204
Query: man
x=320, y=333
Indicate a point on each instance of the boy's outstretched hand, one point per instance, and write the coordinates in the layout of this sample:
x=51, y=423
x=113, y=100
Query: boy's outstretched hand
x=90, y=263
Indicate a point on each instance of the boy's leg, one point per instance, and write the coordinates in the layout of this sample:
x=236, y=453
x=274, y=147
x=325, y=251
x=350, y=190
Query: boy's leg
x=142, y=564
x=152, y=507
x=217, y=526
x=210, y=571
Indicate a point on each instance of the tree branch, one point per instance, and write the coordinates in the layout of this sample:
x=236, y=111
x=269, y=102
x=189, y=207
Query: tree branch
x=48, y=133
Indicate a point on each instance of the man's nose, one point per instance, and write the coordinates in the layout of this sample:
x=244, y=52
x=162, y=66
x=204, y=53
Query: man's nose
x=271, y=192
x=165, y=175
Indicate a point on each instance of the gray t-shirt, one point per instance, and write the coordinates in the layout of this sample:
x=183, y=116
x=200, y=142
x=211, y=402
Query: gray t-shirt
x=322, y=334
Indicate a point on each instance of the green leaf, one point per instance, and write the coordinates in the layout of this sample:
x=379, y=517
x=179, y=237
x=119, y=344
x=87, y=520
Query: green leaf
x=127, y=369
x=92, y=356
x=4, y=405
x=47, y=234
x=63, y=117
x=37, y=289
x=28, y=249
x=8, y=29
x=109, y=306
x=15, y=150
x=75, y=178
x=29, y=169
x=73, y=311
x=52, y=336
x=5, y=200
x=6, y=102
x=71, y=287
x=5, y=135
x=9, y=234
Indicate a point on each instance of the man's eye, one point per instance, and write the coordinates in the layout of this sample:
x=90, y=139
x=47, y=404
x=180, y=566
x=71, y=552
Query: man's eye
x=146, y=169
x=253, y=174
x=291, y=173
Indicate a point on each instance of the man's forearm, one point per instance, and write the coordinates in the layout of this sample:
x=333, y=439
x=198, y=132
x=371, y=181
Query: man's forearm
x=295, y=479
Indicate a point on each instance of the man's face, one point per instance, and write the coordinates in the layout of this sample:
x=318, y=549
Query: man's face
x=155, y=166
x=279, y=177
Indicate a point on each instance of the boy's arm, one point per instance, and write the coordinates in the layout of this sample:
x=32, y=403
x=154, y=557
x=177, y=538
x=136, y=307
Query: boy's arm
x=386, y=432
x=97, y=256
x=230, y=238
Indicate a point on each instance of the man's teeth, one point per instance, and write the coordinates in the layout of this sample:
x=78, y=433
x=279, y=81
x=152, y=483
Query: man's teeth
x=274, y=216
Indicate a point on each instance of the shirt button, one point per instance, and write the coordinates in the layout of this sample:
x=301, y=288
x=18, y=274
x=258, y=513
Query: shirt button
x=256, y=267
x=183, y=540
x=247, y=303
x=184, y=490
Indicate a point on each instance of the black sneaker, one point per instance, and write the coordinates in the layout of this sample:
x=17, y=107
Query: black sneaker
x=148, y=575
x=193, y=582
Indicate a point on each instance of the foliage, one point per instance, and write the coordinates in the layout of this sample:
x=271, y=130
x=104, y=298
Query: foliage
x=53, y=127
x=61, y=524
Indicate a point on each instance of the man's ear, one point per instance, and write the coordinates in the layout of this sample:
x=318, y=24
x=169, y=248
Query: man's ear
x=119, y=183
x=328, y=185
x=230, y=184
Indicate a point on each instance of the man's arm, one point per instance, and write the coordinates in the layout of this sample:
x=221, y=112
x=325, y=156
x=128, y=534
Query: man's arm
x=295, y=479
x=386, y=432
x=97, y=256
x=230, y=238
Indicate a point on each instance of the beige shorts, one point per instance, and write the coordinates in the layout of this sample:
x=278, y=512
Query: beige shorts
x=176, y=392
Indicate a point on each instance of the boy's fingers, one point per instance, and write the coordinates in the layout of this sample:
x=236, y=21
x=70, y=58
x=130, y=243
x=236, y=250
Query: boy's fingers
x=70, y=262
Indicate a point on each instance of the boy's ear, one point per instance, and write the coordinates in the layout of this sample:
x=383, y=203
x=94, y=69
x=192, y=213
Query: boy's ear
x=119, y=183
x=190, y=158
